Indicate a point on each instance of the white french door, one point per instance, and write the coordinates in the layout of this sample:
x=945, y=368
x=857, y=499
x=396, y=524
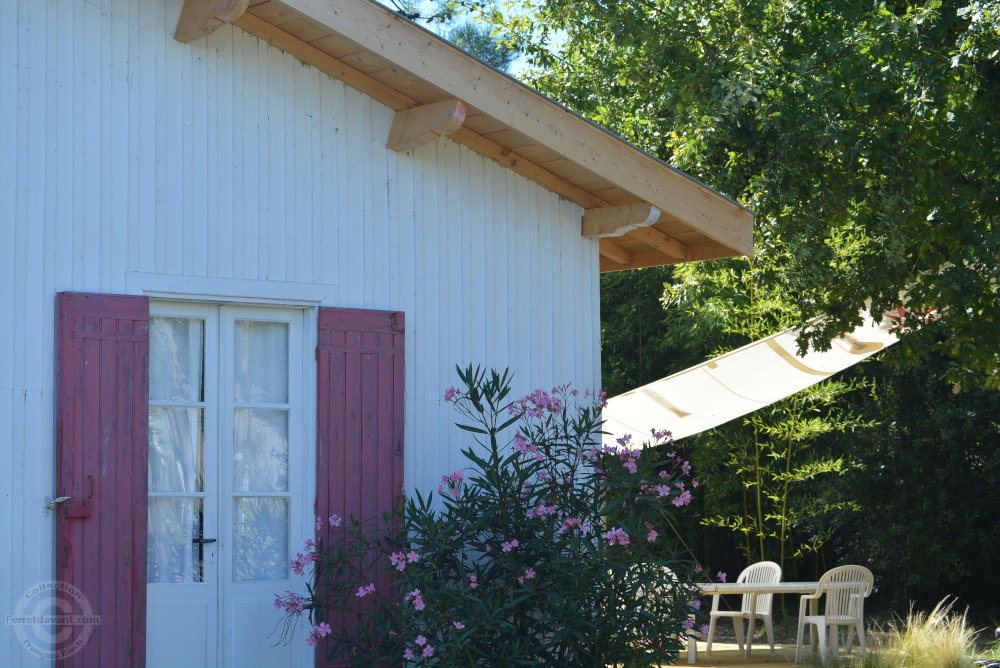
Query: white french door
x=230, y=484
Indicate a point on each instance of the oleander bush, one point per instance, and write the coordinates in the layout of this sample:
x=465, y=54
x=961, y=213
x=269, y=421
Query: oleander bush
x=546, y=548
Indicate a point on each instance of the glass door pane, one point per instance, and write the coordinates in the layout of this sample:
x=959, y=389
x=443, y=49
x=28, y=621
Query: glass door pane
x=260, y=450
x=176, y=450
x=172, y=555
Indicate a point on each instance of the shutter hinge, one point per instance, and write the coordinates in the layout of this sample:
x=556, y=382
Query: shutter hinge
x=397, y=321
x=78, y=508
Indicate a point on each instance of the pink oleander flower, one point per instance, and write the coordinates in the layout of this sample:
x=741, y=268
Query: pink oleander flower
x=473, y=582
x=335, y=520
x=319, y=523
x=624, y=440
x=704, y=629
x=311, y=640
x=415, y=596
x=520, y=442
x=421, y=641
x=695, y=483
x=458, y=625
x=364, y=591
x=509, y=545
x=428, y=651
x=412, y=557
x=662, y=491
x=529, y=574
x=652, y=535
x=398, y=559
x=450, y=393
x=688, y=624
x=720, y=576
x=686, y=467
x=323, y=629
x=698, y=568
x=618, y=536
x=696, y=604
x=295, y=604
x=683, y=499
x=408, y=654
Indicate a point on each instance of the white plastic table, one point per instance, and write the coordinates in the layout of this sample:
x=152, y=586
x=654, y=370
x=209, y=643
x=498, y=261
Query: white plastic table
x=754, y=589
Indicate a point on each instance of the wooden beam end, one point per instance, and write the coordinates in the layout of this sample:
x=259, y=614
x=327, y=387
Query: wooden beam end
x=614, y=221
x=613, y=251
x=200, y=18
x=416, y=127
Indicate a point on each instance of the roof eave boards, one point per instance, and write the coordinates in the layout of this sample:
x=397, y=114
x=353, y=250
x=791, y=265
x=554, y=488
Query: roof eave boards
x=737, y=383
x=566, y=153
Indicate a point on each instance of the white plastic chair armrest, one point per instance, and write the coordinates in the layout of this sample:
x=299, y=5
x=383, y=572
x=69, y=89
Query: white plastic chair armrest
x=805, y=598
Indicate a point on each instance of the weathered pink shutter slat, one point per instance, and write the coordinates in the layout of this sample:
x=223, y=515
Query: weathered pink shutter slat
x=359, y=417
x=102, y=391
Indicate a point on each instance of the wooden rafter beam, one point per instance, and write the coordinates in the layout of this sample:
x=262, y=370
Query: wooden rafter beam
x=652, y=257
x=613, y=251
x=662, y=242
x=614, y=221
x=416, y=127
x=200, y=18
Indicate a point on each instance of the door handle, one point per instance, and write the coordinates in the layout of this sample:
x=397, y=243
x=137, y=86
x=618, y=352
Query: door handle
x=203, y=541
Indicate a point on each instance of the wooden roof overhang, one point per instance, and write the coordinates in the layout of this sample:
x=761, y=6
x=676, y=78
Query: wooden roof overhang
x=643, y=211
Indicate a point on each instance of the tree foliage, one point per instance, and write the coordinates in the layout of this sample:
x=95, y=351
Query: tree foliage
x=770, y=479
x=479, y=42
x=865, y=136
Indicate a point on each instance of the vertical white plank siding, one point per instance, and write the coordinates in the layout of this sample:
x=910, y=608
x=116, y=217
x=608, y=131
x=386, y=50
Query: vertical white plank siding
x=124, y=153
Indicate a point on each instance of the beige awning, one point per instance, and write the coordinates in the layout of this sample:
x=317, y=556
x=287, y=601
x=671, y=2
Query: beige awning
x=737, y=383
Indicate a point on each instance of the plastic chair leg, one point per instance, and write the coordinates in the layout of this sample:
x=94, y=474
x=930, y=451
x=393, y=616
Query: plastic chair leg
x=821, y=632
x=798, y=641
x=711, y=633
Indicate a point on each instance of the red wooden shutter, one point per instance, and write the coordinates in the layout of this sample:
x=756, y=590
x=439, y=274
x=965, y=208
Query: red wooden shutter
x=102, y=399
x=359, y=468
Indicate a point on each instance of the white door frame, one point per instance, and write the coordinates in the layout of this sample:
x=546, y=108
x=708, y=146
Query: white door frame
x=249, y=600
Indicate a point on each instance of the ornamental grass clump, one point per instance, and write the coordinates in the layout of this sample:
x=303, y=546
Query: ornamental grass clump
x=939, y=639
x=546, y=549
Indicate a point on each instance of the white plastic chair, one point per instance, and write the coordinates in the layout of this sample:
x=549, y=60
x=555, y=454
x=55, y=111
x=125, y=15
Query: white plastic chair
x=845, y=588
x=762, y=571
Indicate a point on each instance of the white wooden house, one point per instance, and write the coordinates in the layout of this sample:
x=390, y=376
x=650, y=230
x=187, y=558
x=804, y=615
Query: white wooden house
x=242, y=250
